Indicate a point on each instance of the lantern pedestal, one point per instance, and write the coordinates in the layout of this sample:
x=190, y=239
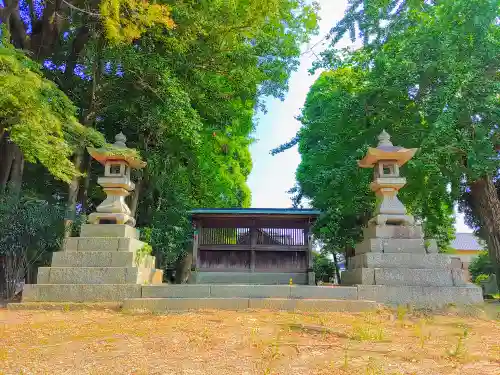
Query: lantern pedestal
x=394, y=264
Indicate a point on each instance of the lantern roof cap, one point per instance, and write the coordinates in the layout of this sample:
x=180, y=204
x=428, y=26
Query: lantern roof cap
x=385, y=150
x=117, y=151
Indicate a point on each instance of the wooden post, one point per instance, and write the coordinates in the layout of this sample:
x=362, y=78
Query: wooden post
x=196, y=240
x=310, y=259
x=253, y=243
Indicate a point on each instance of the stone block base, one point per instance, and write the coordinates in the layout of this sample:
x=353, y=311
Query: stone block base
x=101, y=259
x=80, y=293
x=403, y=260
x=98, y=275
x=181, y=304
x=403, y=276
x=391, y=245
x=393, y=231
x=421, y=296
x=102, y=244
x=109, y=230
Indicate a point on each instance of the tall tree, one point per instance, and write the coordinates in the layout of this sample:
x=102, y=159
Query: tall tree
x=37, y=121
x=430, y=77
x=183, y=86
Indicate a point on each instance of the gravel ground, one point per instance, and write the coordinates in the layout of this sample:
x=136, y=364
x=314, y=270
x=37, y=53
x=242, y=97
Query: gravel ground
x=251, y=342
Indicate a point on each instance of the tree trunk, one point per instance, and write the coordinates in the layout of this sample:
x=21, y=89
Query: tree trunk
x=135, y=197
x=487, y=206
x=337, y=269
x=11, y=165
x=84, y=188
x=74, y=186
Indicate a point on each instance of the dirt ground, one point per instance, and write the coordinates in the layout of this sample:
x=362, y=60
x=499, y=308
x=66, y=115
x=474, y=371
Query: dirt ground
x=250, y=342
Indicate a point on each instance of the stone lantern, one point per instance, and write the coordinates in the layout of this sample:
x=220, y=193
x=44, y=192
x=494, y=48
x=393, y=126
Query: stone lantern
x=386, y=160
x=118, y=161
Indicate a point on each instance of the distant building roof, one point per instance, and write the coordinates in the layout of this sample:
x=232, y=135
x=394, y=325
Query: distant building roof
x=466, y=241
x=255, y=211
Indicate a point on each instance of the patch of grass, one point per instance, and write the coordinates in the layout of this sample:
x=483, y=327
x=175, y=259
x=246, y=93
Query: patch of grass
x=345, y=365
x=422, y=332
x=401, y=312
x=459, y=348
x=365, y=332
x=373, y=368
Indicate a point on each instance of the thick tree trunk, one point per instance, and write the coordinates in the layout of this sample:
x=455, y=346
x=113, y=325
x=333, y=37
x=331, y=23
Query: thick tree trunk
x=87, y=117
x=11, y=165
x=84, y=188
x=487, y=206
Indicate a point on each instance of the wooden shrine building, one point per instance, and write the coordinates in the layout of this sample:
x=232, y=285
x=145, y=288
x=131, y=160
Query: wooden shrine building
x=252, y=246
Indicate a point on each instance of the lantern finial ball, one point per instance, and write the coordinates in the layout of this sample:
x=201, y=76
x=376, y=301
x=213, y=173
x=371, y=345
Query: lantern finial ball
x=384, y=139
x=120, y=140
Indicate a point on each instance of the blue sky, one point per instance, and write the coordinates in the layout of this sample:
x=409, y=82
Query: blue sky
x=272, y=176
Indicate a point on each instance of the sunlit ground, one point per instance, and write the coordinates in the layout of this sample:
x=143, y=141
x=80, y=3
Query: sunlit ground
x=250, y=342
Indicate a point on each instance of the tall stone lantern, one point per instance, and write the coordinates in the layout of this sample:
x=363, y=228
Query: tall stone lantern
x=118, y=161
x=393, y=263
x=386, y=160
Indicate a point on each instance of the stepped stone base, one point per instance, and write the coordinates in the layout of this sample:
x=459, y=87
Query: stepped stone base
x=421, y=296
x=402, y=260
x=394, y=265
x=101, y=259
x=99, y=275
x=80, y=292
x=182, y=304
x=404, y=276
x=102, y=244
x=109, y=230
x=391, y=245
x=105, y=264
x=418, y=296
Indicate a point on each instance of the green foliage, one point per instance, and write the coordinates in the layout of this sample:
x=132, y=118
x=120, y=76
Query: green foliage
x=187, y=102
x=31, y=230
x=38, y=116
x=126, y=20
x=29, y=226
x=183, y=83
x=427, y=73
x=323, y=267
x=142, y=253
x=481, y=265
x=481, y=277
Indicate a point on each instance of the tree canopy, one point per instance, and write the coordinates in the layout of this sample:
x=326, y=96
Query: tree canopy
x=181, y=79
x=427, y=73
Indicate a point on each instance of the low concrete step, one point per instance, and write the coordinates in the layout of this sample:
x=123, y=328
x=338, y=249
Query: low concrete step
x=80, y=292
x=101, y=259
x=183, y=304
x=248, y=291
x=65, y=306
x=98, y=275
